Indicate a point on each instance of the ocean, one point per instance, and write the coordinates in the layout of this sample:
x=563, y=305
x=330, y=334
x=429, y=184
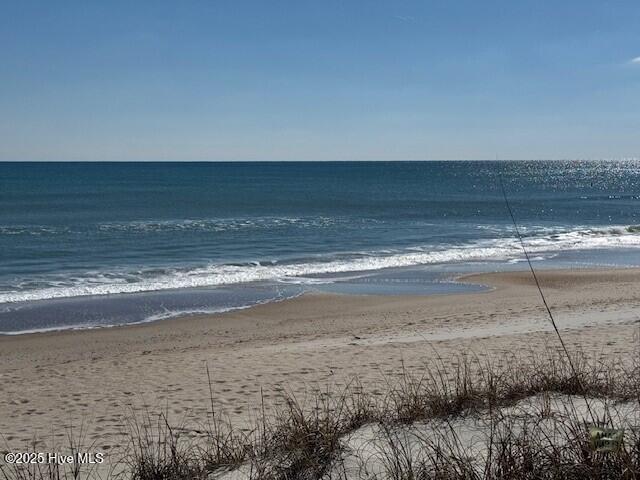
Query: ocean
x=97, y=244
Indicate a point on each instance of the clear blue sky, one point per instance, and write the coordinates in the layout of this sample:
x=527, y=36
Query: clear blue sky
x=287, y=80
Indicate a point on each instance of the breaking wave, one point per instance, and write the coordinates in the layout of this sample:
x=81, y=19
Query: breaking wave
x=540, y=243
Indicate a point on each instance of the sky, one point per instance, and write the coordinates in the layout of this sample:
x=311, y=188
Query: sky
x=319, y=80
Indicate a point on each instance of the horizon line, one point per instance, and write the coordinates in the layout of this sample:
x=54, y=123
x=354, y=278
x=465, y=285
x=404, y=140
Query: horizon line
x=614, y=159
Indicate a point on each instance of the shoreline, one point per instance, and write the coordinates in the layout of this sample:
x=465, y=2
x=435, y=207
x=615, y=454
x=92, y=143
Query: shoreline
x=461, y=278
x=458, y=279
x=55, y=379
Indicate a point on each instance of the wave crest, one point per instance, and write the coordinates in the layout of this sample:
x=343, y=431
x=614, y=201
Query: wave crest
x=303, y=270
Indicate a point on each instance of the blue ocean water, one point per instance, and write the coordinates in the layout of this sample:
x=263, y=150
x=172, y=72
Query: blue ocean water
x=90, y=244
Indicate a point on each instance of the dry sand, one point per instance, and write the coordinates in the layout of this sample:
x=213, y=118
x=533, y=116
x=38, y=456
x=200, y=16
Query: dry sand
x=50, y=381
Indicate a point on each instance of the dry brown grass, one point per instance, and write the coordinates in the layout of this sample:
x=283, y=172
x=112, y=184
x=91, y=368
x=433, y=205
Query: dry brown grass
x=303, y=441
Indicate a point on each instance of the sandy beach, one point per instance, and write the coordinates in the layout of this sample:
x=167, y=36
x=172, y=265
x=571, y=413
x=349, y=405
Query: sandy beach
x=97, y=378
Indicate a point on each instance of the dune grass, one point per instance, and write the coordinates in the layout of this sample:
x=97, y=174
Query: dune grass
x=309, y=439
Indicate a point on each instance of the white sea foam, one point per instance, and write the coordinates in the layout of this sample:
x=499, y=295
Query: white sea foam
x=37, y=230
x=191, y=225
x=220, y=224
x=547, y=243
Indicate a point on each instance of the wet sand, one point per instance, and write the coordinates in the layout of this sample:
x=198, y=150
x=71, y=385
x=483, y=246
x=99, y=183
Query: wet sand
x=98, y=378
